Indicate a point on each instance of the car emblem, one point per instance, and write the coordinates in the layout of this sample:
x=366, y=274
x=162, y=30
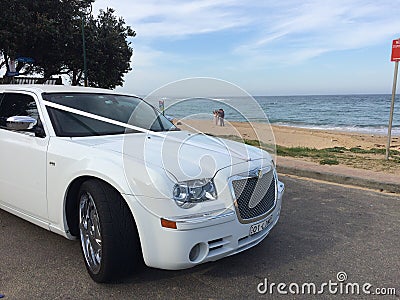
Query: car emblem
x=259, y=174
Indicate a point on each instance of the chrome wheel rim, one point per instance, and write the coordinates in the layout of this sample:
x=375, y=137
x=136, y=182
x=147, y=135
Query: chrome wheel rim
x=89, y=228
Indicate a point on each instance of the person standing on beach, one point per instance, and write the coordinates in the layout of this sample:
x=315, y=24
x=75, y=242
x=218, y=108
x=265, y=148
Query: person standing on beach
x=216, y=118
x=221, y=116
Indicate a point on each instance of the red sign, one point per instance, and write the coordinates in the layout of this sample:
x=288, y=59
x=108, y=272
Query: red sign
x=395, y=50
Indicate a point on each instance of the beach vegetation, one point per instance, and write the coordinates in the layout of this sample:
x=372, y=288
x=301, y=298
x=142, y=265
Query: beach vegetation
x=329, y=162
x=357, y=157
x=324, y=156
x=373, y=151
x=336, y=149
x=252, y=143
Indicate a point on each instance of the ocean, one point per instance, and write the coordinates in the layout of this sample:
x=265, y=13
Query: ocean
x=351, y=113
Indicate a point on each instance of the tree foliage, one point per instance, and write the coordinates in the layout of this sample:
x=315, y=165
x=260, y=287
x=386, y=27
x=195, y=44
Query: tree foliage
x=50, y=32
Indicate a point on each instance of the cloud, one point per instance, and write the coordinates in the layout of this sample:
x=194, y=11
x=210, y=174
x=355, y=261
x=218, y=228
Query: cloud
x=297, y=29
x=307, y=29
x=144, y=56
x=173, y=18
x=258, y=37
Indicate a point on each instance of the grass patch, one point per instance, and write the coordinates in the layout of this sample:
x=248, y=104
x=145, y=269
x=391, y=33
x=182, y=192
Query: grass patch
x=329, y=162
x=252, y=143
x=294, y=151
x=373, y=151
x=307, y=152
x=369, y=159
x=324, y=156
x=336, y=149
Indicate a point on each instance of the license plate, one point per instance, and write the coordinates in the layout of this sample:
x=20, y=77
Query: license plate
x=260, y=226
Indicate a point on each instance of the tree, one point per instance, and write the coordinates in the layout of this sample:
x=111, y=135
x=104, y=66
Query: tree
x=49, y=31
x=37, y=29
x=108, y=52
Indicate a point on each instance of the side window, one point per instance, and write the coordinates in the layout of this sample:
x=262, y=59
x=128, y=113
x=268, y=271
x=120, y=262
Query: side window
x=18, y=105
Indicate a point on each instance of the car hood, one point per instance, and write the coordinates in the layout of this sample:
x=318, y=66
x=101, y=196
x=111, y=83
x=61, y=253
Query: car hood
x=184, y=155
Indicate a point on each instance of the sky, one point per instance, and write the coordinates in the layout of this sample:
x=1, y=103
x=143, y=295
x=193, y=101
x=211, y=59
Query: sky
x=288, y=47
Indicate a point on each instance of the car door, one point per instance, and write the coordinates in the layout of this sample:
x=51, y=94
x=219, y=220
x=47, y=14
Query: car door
x=22, y=158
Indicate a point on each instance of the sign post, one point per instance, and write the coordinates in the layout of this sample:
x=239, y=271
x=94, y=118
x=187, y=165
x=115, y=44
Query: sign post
x=396, y=58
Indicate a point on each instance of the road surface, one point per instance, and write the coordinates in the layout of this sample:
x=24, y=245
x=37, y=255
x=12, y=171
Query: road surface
x=324, y=230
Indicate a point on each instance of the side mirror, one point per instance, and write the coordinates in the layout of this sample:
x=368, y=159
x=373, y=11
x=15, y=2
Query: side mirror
x=21, y=123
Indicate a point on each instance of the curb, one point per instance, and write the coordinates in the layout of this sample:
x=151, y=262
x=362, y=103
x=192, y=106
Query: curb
x=339, y=178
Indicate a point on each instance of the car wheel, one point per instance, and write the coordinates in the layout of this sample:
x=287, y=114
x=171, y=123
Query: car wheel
x=108, y=235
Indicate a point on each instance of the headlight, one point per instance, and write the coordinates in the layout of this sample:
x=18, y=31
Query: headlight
x=187, y=194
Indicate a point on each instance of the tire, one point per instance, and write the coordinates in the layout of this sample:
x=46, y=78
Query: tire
x=108, y=235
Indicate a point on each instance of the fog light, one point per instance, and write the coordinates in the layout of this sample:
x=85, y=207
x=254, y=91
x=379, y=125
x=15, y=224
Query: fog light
x=194, y=253
x=198, y=252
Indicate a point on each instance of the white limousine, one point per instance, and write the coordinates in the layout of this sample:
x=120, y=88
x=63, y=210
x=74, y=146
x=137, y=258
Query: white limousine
x=111, y=171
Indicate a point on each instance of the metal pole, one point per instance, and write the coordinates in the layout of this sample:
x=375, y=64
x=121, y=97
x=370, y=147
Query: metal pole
x=396, y=68
x=84, y=51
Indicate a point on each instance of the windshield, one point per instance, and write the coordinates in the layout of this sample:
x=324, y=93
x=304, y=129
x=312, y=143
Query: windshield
x=125, y=109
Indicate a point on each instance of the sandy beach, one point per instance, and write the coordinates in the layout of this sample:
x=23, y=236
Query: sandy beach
x=291, y=136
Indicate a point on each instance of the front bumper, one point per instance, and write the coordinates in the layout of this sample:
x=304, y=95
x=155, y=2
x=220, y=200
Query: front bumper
x=197, y=239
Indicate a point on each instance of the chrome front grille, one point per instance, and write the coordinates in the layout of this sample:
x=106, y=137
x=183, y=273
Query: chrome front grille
x=254, y=196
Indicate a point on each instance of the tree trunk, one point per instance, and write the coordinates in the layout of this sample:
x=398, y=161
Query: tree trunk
x=74, y=75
